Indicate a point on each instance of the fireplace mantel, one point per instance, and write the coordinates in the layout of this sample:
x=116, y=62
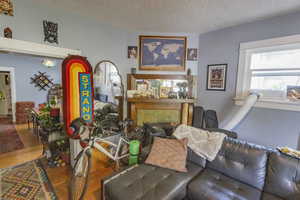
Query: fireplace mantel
x=146, y=110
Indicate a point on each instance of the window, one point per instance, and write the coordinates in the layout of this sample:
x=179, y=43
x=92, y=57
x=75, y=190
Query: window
x=272, y=72
x=271, y=68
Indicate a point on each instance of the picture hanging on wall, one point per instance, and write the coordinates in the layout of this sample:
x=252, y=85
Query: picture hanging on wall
x=7, y=33
x=42, y=81
x=50, y=32
x=132, y=52
x=6, y=7
x=293, y=92
x=216, y=77
x=162, y=53
x=192, y=54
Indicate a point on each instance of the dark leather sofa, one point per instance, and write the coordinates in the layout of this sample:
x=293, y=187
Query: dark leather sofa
x=241, y=171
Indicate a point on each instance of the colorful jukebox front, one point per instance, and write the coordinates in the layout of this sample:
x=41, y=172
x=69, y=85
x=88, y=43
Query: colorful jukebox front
x=77, y=78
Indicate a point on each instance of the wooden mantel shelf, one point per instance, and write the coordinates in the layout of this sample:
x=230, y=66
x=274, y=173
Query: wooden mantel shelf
x=169, y=101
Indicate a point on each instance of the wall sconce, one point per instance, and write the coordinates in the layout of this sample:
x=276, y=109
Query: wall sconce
x=49, y=63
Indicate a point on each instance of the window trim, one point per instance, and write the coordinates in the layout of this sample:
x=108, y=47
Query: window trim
x=244, y=72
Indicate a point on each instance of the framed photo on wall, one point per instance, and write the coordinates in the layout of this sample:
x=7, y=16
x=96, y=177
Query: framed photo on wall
x=216, y=77
x=132, y=52
x=162, y=53
x=192, y=54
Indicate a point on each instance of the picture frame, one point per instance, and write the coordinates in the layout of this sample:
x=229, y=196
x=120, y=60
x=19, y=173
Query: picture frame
x=132, y=52
x=6, y=7
x=50, y=31
x=141, y=87
x=164, y=92
x=192, y=54
x=293, y=93
x=216, y=77
x=162, y=53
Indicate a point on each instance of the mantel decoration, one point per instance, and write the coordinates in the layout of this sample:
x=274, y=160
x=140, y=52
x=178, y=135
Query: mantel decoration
x=162, y=53
x=216, y=77
x=42, y=81
x=6, y=7
x=50, y=32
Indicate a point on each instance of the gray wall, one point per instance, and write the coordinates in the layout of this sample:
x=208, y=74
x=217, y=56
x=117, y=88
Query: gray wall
x=97, y=41
x=263, y=126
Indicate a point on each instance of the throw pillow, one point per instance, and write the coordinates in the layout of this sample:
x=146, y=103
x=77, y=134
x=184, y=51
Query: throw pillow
x=169, y=153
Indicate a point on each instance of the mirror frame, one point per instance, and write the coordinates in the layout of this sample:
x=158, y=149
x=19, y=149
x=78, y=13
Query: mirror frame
x=122, y=85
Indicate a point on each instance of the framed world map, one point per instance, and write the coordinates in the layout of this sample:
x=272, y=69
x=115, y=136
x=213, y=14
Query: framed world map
x=162, y=53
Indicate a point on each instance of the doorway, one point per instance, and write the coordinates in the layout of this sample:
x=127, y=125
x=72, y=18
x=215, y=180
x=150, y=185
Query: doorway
x=8, y=94
x=5, y=97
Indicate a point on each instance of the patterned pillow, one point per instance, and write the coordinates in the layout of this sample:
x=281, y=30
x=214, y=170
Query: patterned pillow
x=168, y=153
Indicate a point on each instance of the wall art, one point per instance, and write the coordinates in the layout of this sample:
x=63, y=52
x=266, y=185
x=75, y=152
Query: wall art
x=7, y=32
x=162, y=53
x=41, y=80
x=6, y=7
x=293, y=92
x=216, y=77
x=132, y=52
x=192, y=54
x=74, y=106
x=50, y=32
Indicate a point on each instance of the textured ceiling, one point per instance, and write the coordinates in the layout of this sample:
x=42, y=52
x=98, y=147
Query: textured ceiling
x=177, y=15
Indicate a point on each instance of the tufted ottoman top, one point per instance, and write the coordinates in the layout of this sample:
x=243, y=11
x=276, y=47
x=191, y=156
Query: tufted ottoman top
x=148, y=182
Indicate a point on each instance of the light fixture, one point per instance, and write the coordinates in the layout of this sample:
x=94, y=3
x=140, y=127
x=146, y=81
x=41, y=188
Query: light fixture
x=49, y=63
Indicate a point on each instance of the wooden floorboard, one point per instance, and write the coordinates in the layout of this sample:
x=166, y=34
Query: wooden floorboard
x=32, y=149
x=59, y=176
x=27, y=136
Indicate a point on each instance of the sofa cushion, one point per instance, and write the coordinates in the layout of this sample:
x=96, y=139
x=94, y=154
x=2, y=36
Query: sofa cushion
x=150, y=183
x=193, y=157
x=267, y=196
x=283, y=176
x=242, y=161
x=168, y=153
x=213, y=185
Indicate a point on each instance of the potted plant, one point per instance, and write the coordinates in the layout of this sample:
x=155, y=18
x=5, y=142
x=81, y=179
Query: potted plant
x=55, y=110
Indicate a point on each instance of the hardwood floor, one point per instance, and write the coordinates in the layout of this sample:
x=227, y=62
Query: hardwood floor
x=20, y=156
x=59, y=176
x=26, y=135
x=32, y=149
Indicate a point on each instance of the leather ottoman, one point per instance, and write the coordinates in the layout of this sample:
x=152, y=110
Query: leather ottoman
x=148, y=182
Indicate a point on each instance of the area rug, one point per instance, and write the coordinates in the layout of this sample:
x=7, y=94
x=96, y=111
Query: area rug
x=28, y=181
x=9, y=138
